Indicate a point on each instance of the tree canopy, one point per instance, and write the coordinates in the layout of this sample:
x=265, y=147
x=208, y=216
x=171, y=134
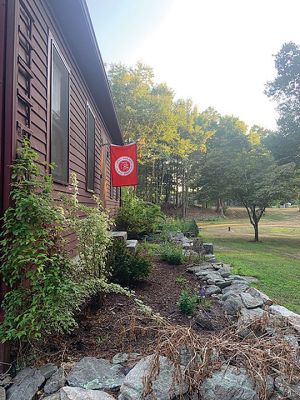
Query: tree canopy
x=285, y=90
x=186, y=155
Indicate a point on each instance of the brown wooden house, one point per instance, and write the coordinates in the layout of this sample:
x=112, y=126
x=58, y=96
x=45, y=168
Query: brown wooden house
x=54, y=89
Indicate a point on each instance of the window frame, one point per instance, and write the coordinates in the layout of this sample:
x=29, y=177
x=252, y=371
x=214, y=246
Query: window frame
x=89, y=109
x=55, y=46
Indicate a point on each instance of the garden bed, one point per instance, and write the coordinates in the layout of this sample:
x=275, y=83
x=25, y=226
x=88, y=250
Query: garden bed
x=107, y=330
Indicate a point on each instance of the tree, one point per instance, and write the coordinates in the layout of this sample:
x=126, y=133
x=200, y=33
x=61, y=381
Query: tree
x=285, y=90
x=257, y=182
x=226, y=140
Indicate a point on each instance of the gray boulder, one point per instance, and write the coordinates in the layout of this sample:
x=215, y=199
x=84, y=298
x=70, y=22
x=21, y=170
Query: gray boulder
x=25, y=385
x=249, y=316
x=222, y=283
x=287, y=390
x=76, y=393
x=225, y=272
x=163, y=386
x=54, y=396
x=200, y=268
x=292, y=318
x=237, y=288
x=121, y=358
x=48, y=370
x=2, y=393
x=292, y=340
x=209, y=248
x=56, y=382
x=229, y=383
x=233, y=305
x=260, y=295
x=250, y=301
x=96, y=373
x=212, y=289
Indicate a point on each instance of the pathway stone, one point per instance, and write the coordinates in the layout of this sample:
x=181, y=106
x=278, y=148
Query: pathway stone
x=2, y=393
x=77, y=393
x=163, y=387
x=96, y=373
x=25, y=385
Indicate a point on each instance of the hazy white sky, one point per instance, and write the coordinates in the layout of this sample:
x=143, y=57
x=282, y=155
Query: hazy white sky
x=217, y=52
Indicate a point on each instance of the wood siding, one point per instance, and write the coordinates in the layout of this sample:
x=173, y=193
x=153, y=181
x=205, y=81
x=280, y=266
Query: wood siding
x=36, y=32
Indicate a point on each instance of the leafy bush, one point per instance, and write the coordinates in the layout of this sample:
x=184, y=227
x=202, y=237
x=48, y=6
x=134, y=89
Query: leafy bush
x=136, y=216
x=92, y=225
x=127, y=267
x=46, y=287
x=187, y=302
x=181, y=281
x=42, y=294
x=172, y=254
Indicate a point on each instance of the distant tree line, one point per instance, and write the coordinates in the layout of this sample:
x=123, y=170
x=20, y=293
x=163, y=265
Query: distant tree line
x=186, y=155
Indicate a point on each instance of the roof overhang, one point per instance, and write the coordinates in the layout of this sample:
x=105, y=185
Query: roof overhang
x=76, y=26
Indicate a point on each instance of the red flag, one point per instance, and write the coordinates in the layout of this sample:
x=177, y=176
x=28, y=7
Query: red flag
x=123, y=165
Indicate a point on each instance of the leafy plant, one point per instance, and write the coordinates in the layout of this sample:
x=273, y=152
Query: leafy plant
x=172, y=254
x=92, y=225
x=187, y=302
x=136, y=216
x=42, y=295
x=181, y=281
x=127, y=267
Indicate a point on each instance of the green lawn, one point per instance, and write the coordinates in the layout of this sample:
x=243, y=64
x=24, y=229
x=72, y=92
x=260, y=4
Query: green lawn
x=275, y=261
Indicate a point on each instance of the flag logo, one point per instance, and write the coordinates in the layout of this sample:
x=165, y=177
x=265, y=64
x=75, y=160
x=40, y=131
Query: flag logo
x=124, y=166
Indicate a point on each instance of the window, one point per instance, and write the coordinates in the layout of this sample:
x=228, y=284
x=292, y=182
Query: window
x=90, y=174
x=59, y=118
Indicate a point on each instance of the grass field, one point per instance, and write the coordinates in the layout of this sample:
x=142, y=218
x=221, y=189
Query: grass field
x=275, y=260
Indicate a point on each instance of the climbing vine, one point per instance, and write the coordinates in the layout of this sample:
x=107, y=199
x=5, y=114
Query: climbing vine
x=41, y=296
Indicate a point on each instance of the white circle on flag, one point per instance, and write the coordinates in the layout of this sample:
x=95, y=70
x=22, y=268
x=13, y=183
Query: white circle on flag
x=124, y=166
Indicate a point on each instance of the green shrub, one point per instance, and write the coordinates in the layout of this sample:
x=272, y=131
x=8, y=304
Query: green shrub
x=181, y=281
x=187, y=302
x=127, y=268
x=172, y=254
x=46, y=287
x=188, y=227
x=42, y=295
x=136, y=216
x=92, y=226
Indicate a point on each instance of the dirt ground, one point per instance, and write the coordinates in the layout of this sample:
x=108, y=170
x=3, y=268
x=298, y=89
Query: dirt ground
x=110, y=328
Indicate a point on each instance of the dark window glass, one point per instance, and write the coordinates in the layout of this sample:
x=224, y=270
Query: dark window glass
x=60, y=119
x=90, y=150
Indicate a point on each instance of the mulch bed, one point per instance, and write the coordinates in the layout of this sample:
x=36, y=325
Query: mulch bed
x=110, y=328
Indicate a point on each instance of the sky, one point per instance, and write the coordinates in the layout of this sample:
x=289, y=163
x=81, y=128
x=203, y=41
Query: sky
x=219, y=53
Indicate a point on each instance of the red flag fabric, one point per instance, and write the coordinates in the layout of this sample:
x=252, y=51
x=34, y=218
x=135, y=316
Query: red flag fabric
x=123, y=165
